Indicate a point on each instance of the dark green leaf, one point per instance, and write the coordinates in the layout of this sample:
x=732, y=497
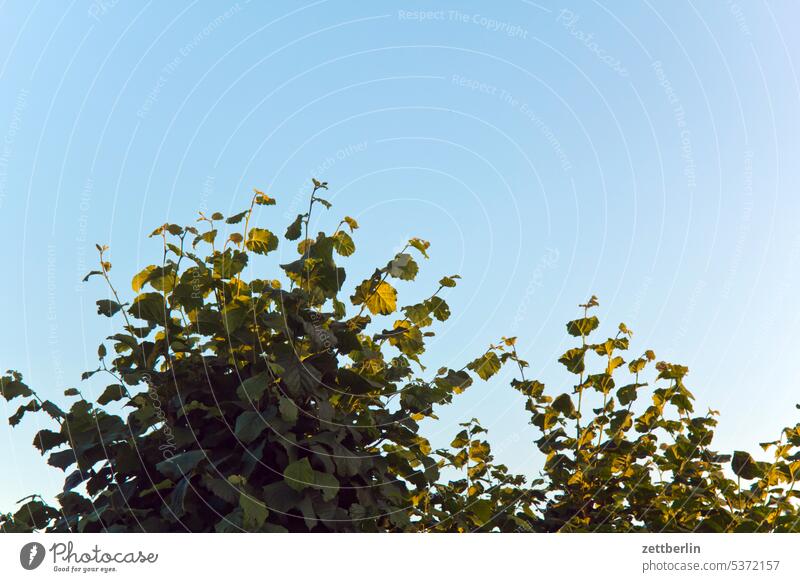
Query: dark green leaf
x=107, y=307
x=296, y=228
x=249, y=425
x=181, y=464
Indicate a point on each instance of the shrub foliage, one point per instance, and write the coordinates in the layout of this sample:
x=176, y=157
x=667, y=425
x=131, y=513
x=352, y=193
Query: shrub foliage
x=294, y=403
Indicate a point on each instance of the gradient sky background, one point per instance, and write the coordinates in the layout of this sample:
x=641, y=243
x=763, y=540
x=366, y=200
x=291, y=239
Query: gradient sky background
x=549, y=151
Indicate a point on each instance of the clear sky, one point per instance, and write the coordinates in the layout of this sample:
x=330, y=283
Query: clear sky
x=549, y=151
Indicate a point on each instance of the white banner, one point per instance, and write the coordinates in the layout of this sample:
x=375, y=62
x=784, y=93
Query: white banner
x=400, y=557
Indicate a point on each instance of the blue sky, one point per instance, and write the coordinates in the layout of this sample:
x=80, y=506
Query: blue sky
x=549, y=151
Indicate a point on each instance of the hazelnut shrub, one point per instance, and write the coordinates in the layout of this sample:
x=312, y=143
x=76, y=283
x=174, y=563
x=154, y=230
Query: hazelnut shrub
x=293, y=403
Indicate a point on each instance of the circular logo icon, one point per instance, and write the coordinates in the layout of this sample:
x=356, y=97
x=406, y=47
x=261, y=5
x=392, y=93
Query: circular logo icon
x=31, y=555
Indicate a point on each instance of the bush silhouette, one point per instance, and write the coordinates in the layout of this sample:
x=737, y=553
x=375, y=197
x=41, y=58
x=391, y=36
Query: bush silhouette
x=269, y=405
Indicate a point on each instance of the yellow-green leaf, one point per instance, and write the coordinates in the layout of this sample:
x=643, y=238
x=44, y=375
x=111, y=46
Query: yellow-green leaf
x=261, y=241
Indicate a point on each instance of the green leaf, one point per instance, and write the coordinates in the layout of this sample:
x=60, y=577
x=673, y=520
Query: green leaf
x=564, y=405
x=354, y=383
x=255, y=512
x=62, y=459
x=296, y=228
x=344, y=244
x=603, y=383
x=627, y=394
x=486, y=366
x=231, y=523
x=89, y=374
x=351, y=222
x=667, y=371
x=261, y=241
x=30, y=406
x=530, y=388
x=141, y=278
x=481, y=510
x=235, y=313
x=34, y=514
x=249, y=425
x=177, y=498
x=327, y=484
x=637, y=365
x=453, y=381
x=53, y=410
x=44, y=440
x=236, y=218
x=11, y=388
x=583, y=326
x=287, y=409
x=230, y=263
x=438, y=308
x=461, y=440
x=745, y=467
x=403, y=266
x=421, y=245
x=208, y=237
x=150, y=307
x=163, y=279
x=179, y=465
x=380, y=298
x=299, y=475
x=479, y=450
x=263, y=199
x=339, y=309
x=574, y=360
x=112, y=393
x=299, y=376
x=419, y=314
x=107, y=307
x=253, y=388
